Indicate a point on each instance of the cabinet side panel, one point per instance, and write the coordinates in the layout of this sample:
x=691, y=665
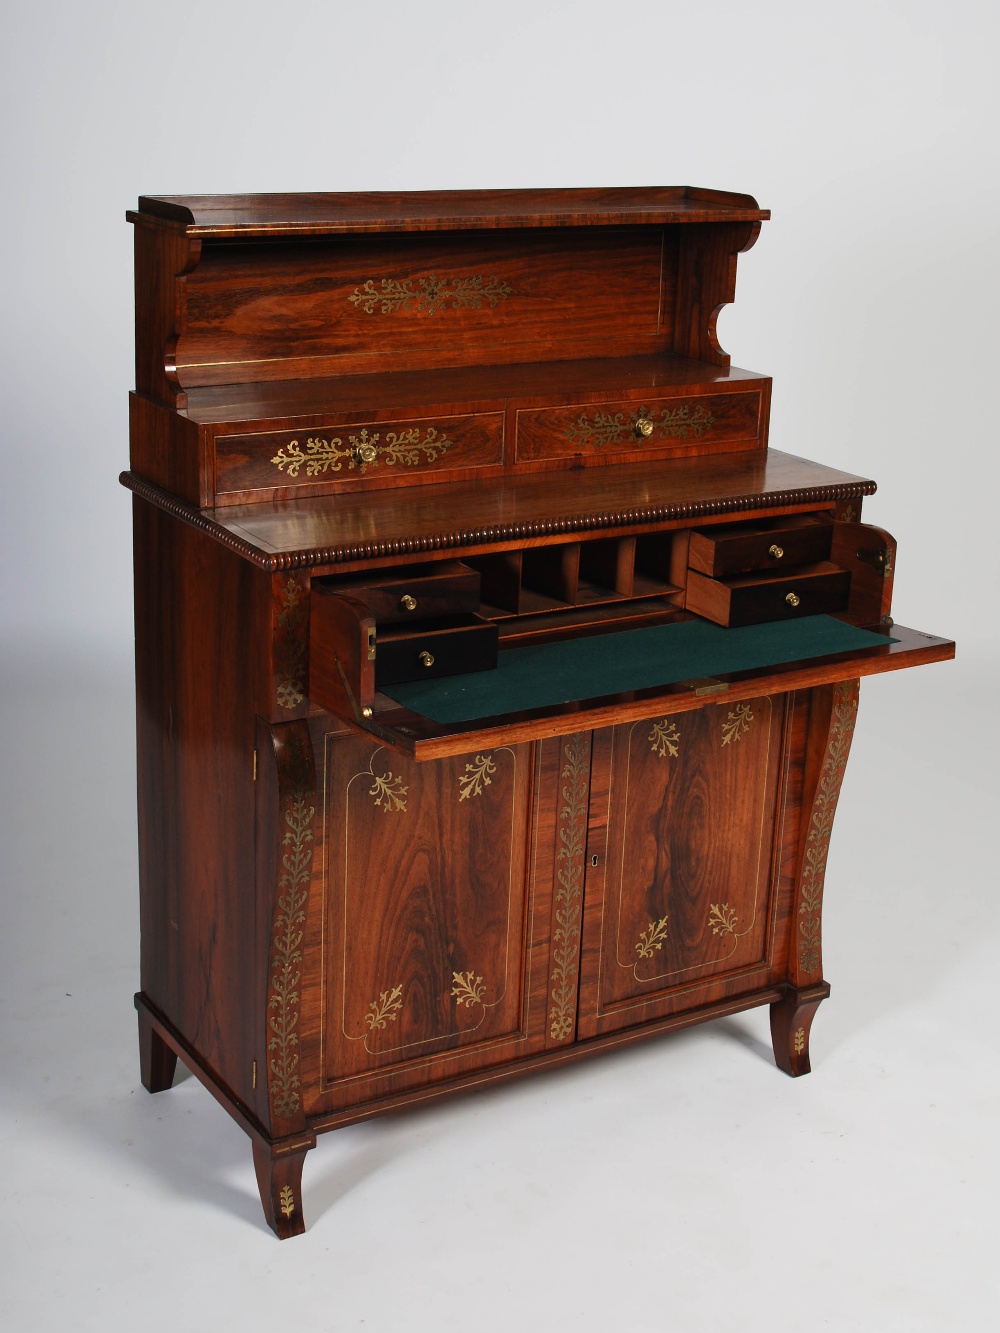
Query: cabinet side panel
x=197, y=608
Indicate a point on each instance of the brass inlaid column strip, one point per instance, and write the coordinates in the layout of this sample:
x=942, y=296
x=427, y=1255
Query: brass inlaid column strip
x=572, y=833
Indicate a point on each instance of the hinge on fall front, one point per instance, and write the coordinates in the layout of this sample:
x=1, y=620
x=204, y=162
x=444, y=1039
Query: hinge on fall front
x=371, y=644
x=254, y=1078
x=880, y=560
x=255, y=765
x=706, y=685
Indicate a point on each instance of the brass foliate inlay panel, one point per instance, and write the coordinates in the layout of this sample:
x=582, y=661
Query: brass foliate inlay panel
x=389, y=792
x=569, y=875
x=799, y=1041
x=467, y=988
x=287, y=1200
x=290, y=647
x=737, y=723
x=387, y=296
x=383, y=1011
x=477, y=776
x=652, y=938
x=363, y=450
x=723, y=919
x=286, y=955
x=673, y=423
x=664, y=739
x=845, y=712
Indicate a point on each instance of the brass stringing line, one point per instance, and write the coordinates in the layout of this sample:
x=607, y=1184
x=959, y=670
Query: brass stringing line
x=405, y=1046
x=629, y=967
x=435, y=293
x=568, y=905
x=286, y=950
x=845, y=708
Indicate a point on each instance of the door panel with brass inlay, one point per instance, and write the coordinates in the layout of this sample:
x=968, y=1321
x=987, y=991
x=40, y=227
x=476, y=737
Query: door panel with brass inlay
x=679, y=877
x=428, y=916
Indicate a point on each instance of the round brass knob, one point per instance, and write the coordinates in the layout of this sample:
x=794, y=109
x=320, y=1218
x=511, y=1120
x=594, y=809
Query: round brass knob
x=644, y=427
x=408, y=603
x=426, y=659
x=366, y=711
x=365, y=453
x=776, y=552
x=793, y=599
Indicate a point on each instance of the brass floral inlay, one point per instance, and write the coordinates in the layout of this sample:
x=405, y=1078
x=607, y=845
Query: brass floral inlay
x=845, y=712
x=477, y=775
x=389, y=792
x=652, y=938
x=723, y=919
x=363, y=450
x=286, y=955
x=800, y=1040
x=467, y=988
x=384, y=1010
x=290, y=647
x=431, y=295
x=674, y=423
x=569, y=875
x=737, y=723
x=287, y=1199
x=664, y=738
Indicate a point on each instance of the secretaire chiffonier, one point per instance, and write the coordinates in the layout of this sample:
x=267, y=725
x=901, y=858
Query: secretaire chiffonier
x=495, y=680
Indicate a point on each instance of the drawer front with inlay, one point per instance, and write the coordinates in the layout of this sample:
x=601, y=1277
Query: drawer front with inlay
x=653, y=426
x=355, y=455
x=813, y=590
x=778, y=544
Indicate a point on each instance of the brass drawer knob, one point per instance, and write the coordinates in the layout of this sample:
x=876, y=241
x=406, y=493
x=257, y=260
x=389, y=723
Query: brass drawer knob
x=793, y=599
x=407, y=602
x=776, y=552
x=426, y=659
x=365, y=453
x=644, y=427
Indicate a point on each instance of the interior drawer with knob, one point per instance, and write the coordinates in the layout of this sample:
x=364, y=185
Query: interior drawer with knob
x=750, y=599
x=653, y=426
x=417, y=592
x=450, y=648
x=768, y=544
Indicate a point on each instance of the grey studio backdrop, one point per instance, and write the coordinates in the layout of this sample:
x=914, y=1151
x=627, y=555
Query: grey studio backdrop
x=684, y=1184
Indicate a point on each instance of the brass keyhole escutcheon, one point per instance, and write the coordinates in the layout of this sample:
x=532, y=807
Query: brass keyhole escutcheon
x=793, y=599
x=593, y=859
x=408, y=603
x=776, y=552
x=426, y=659
x=365, y=453
x=644, y=427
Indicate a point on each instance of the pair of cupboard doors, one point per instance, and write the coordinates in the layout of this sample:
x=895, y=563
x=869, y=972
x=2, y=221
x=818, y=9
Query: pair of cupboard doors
x=470, y=911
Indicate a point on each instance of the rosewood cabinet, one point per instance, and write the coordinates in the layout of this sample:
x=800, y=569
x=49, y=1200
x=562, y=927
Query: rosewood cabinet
x=495, y=679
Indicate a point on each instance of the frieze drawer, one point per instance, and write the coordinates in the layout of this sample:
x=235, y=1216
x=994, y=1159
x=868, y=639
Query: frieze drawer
x=466, y=643
x=416, y=594
x=750, y=600
x=354, y=455
x=778, y=544
x=656, y=427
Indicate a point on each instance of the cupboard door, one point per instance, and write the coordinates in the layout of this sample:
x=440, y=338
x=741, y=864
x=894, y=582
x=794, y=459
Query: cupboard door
x=679, y=897
x=433, y=941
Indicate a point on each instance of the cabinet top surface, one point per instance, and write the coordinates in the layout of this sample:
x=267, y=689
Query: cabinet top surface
x=257, y=215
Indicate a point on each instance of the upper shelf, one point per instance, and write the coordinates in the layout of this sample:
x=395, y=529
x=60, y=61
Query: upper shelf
x=256, y=216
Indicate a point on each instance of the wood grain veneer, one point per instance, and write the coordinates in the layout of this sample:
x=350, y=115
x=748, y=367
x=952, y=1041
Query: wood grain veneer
x=357, y=419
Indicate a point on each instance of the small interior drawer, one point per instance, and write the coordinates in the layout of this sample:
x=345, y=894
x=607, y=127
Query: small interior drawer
x=460, y=644
x=740, y=548
x=749, y=600
x=417, y=593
